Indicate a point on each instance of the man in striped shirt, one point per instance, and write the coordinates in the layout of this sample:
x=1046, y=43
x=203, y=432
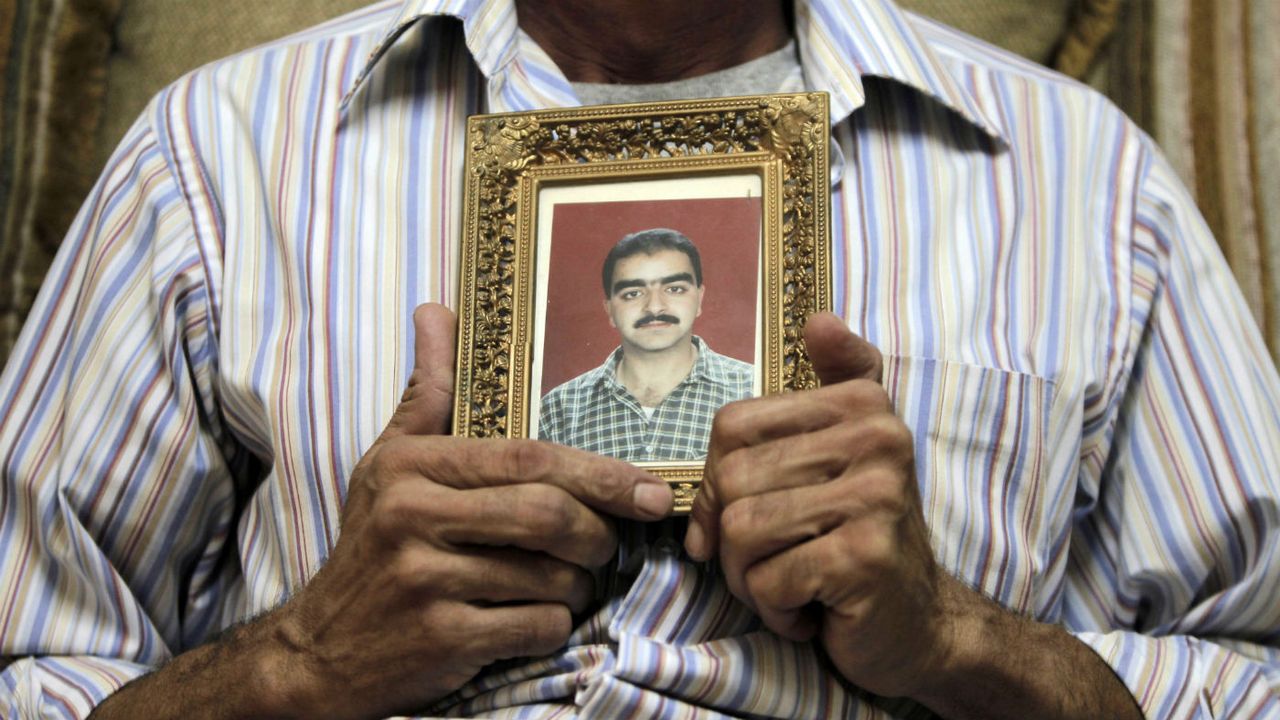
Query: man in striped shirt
x=1041, y=479
x=653, y=399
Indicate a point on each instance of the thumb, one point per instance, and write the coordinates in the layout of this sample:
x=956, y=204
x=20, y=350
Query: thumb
x=837, y=354
x=426, y=407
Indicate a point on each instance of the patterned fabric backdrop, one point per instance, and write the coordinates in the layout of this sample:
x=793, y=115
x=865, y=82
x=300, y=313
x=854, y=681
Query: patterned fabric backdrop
x=1203, y=77
x=1200, y=75
x=52, y=82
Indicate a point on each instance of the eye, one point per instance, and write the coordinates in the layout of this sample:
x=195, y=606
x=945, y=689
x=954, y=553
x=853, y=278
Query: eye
x=631, y=294
x=677, y=289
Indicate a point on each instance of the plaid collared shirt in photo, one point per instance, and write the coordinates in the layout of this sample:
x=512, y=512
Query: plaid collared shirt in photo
x=595, y=412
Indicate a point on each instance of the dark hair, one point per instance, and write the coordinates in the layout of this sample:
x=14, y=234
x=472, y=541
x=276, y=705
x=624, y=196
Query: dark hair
x=648, y=242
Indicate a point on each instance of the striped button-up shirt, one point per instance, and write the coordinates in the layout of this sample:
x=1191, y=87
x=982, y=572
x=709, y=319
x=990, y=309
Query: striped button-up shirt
x=595, y=412
x=228, y=327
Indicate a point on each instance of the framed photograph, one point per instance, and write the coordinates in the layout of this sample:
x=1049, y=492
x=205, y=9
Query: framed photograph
x=628, y=270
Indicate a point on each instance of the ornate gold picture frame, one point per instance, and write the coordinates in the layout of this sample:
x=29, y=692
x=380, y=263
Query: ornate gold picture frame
x=527, y=274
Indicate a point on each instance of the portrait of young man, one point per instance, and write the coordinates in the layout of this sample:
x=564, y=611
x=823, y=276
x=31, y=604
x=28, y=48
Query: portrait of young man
x=655, y=396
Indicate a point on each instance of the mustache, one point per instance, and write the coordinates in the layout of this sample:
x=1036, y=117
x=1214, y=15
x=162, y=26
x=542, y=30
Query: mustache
x=647, y=319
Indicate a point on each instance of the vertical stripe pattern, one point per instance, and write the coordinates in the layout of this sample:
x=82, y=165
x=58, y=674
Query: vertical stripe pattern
x=227, y=329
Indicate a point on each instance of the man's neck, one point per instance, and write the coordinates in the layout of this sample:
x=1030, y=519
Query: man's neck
x=648, y=41
x=650, y=376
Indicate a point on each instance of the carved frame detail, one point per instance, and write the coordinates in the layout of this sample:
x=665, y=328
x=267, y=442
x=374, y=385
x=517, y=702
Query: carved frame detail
x=784, y=138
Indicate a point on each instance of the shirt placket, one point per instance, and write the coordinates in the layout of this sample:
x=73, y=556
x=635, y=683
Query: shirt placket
x=634, y=419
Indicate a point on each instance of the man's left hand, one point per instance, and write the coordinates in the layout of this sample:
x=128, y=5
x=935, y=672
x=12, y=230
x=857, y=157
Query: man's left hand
x=809, y=499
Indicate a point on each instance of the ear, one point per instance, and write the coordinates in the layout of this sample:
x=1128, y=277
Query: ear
x=701, y=290
x=608, y=314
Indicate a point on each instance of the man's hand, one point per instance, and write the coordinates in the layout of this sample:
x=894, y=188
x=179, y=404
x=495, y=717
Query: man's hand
x=810, y=501
x=454, y=553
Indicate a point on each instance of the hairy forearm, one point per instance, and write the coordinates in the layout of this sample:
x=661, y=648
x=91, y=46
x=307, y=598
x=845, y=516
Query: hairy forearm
x=241, y=674
x=1008, y=666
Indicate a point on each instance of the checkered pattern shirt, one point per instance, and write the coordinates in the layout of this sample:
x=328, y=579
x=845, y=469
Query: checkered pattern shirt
x=595, y=412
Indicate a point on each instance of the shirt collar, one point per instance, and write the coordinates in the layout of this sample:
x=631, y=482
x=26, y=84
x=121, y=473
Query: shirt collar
x=841, y=42
x=489, y=29
x=708, y=366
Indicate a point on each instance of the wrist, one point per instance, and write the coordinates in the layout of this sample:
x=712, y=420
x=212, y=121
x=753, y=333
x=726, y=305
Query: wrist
x=969, y=637
x=997, y=664
x=286, y=681
x=246, y=672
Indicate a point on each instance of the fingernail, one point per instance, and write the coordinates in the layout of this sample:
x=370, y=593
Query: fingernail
x=695, y=542
x=653, y=499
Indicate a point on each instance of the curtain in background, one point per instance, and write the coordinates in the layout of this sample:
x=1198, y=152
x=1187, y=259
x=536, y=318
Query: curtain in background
x=52, y=75
x=1203, y=77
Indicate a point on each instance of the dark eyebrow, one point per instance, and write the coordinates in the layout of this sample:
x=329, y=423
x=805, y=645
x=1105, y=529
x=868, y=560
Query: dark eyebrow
x=624, y=284
x=669, y=279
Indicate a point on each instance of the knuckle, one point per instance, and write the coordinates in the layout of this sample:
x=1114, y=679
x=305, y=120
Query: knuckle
x=527, y=459
x=389, y=456
x=762, y=584
x=707, y=498
x=411, y=571
x=560, y=576
x=559, y=627
x=834, y=565
x=369, y=473
x=731, y=475
x=849, y=434
x=875, y=552
x=413, y=388
x=608, y=484
x=568, y=583
x=830, y=560
x=886, y=490
x=875, y=364
x=486, y=574
x=888, y=434
x=547, y=510
x=870, y=394
x=731, y=423
x=545, y=636
x=737, y=521
x=851, y=552
x=393, y=513
x=599, y=547
x=580, y=578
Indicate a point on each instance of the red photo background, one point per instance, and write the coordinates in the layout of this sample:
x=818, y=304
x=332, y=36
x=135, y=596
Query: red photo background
x=727, y=233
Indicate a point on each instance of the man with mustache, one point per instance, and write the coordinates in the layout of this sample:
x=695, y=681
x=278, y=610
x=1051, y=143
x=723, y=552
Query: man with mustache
x=656, y=394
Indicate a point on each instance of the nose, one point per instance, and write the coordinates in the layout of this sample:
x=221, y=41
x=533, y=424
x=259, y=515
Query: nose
x=654, y=301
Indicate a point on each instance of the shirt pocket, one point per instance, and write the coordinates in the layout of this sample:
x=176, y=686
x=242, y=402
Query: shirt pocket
x=984, y=466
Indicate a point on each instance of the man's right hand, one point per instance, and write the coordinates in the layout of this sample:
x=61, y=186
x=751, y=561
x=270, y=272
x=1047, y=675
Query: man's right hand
x=454, y=553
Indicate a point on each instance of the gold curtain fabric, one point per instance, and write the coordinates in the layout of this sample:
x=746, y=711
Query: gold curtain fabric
x=1203, y=77
x=52, y=83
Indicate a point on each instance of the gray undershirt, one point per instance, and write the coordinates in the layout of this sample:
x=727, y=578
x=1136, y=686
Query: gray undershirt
x=766, y=74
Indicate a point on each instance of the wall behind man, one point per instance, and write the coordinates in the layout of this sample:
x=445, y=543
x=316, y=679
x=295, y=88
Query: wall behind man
x=159, y=40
